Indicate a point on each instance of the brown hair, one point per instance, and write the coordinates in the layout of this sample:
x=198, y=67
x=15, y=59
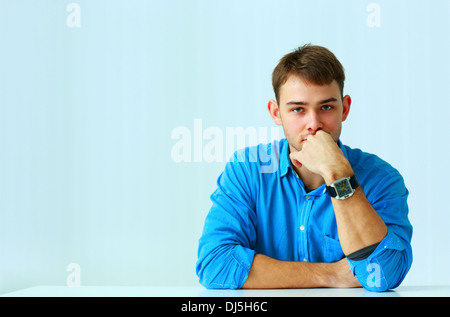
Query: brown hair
x=315, y=64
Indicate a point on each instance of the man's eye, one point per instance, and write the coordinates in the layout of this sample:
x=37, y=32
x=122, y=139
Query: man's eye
x=326, y=107
x=298, y=110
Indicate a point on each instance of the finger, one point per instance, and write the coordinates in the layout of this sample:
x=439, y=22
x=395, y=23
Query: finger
x=295, y=161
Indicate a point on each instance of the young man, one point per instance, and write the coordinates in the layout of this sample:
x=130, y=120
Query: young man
x=324, y=215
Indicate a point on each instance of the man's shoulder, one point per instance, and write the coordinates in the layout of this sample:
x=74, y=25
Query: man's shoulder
x=369, y=164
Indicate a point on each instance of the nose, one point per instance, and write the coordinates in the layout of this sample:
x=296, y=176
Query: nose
x=314, y=123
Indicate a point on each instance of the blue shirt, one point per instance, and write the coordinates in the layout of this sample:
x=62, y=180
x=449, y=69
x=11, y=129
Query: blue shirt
x=261, y=206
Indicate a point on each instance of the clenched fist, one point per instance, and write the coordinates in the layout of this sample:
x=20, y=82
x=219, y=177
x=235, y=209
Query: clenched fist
x=321, y=155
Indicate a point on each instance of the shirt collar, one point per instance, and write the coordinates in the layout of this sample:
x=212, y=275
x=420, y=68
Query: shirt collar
x=285, y=161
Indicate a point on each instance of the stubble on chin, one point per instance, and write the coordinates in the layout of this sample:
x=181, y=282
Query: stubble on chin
x=294, y=147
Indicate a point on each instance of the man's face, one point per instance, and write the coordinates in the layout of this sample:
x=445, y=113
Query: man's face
x=305, y=108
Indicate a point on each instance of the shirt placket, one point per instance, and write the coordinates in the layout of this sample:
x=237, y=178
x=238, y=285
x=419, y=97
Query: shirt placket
x=305, y=210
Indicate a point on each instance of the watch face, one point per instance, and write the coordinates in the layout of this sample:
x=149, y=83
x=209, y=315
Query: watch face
x=343, y=188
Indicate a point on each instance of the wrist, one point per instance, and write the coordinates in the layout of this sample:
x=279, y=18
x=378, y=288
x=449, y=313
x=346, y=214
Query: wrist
x=331, y=274
x=337, y=172
x=341, y=275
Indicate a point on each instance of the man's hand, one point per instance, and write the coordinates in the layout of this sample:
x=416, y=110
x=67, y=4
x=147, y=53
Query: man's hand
x=343, y=276
x=358, y=223
x=321, y=155
x=267, y=272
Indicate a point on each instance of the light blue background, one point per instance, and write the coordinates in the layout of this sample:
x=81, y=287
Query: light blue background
x=86, y=116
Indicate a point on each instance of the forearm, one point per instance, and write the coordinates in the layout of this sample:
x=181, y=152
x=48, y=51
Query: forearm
x=359, y=225
x=267, y=272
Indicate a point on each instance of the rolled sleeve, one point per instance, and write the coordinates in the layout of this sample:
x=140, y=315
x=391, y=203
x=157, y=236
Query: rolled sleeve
x=226, y=247
x=226, y=268
x=389, y=263
x=387, y=266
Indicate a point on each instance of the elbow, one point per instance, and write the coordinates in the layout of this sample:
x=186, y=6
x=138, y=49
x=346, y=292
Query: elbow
x=207, y=275
x=227, y=269
x=384, y=273
x=202, y=276
x=208, y=283
x=375, y=285
x=212, y=277
x=373, y=278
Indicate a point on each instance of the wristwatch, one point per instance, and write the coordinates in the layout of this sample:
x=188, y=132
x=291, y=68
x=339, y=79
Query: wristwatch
x=343, y=187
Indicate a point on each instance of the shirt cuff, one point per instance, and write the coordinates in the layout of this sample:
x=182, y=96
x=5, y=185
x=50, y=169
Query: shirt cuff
x=244, y=257
x=380, y=270
x=227, y=270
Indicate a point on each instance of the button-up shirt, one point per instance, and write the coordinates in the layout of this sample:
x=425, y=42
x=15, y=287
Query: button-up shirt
x=261, y=206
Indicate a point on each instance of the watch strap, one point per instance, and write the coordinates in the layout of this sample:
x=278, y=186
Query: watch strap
x=331, y=191
x=353, y=183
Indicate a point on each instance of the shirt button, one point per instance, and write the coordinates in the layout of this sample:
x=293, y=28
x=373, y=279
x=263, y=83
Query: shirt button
x=305, y=260
x=308, y=197
x=302, y=227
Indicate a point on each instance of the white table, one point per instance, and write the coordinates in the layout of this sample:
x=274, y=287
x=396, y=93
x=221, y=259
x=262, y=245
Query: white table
x=157, y=291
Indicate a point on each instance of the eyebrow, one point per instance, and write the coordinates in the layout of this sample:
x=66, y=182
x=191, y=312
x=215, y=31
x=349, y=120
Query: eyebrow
x=303, y=103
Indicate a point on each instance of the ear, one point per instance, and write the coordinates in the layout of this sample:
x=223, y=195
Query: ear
x=346, y=102
x=274, y=111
